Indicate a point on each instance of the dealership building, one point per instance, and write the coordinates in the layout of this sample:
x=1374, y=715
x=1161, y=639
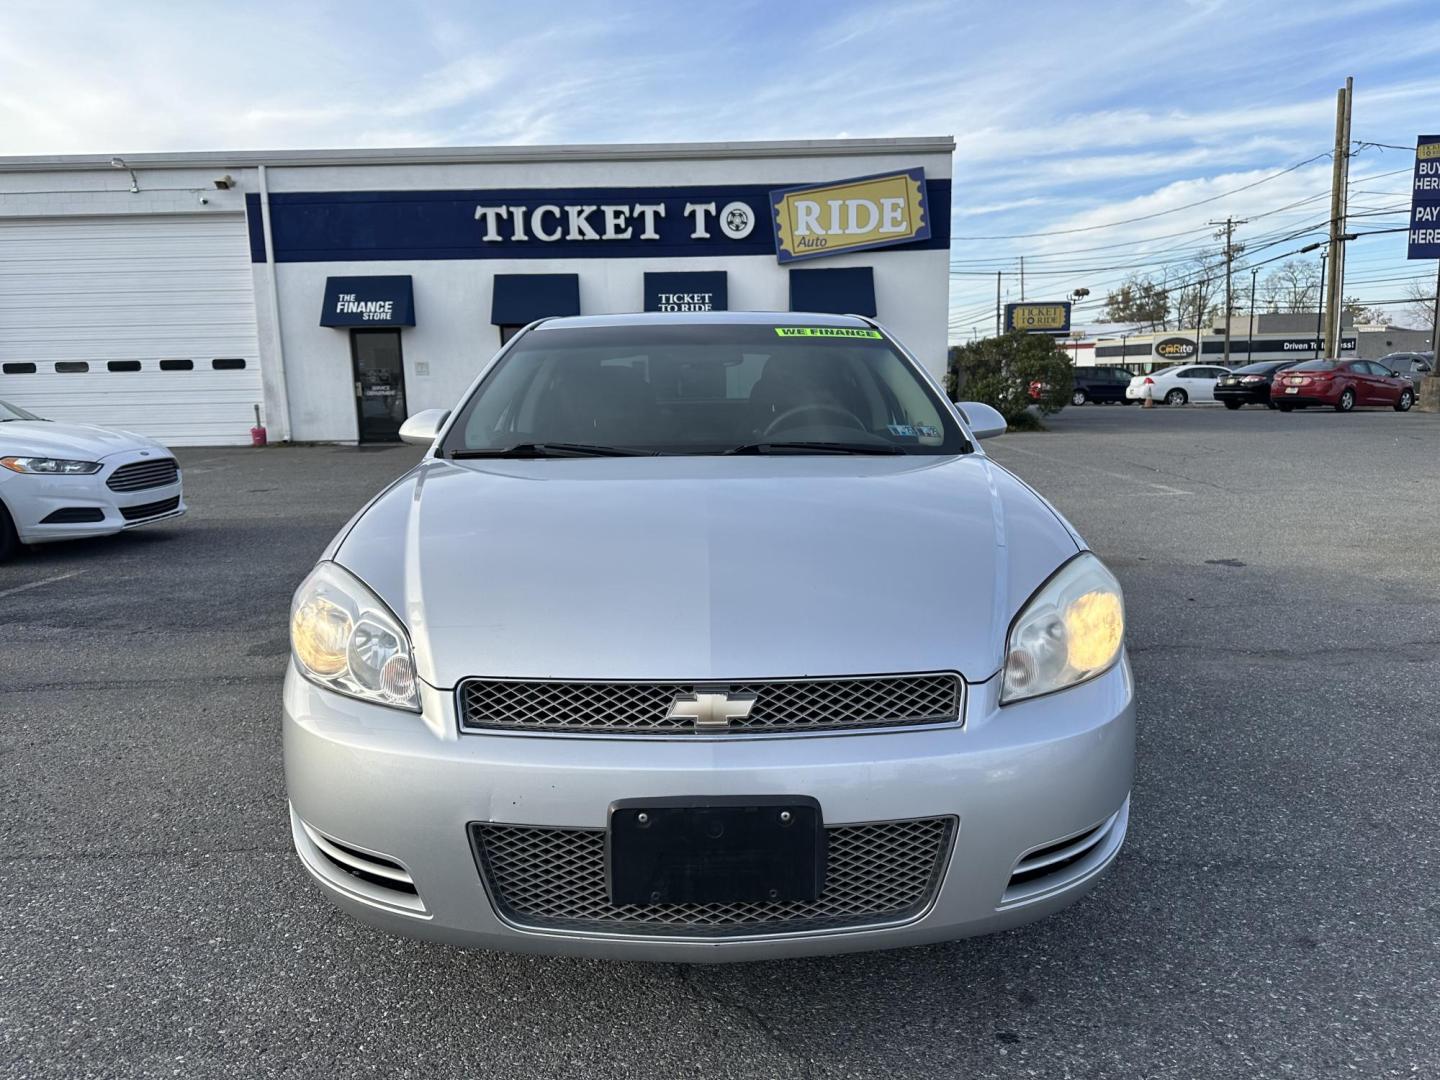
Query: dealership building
x=342, y=290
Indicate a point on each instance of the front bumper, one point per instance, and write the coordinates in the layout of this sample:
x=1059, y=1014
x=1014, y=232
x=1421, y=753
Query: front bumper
x=406, y=788
x=33, y=498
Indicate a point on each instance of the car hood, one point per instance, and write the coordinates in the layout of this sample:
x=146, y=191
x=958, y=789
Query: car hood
x=46, y=438
x=697, y=568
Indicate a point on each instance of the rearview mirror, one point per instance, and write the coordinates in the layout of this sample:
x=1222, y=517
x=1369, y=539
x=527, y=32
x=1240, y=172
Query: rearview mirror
x=422, y=428
x=984, y=421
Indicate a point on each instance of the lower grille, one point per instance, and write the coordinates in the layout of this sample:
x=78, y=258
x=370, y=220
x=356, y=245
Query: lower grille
x=73, y=515
x=149, y=510
x=139, y=475
x=647, y=708
x=883, y=872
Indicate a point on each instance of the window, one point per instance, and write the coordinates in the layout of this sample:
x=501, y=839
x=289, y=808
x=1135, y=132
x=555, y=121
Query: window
x=704, y=390
x=71, y=367
x=18, y=369
x=177, y=365
x=122, y=365
x=228, y=363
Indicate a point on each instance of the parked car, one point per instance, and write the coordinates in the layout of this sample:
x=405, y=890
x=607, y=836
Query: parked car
x=1250, y=385
x=1413, y=365
x=1342, y=385
x=698, y=637
x=1178, y=385
x=70, y=481
x=1091, y=384
x=1100, y=384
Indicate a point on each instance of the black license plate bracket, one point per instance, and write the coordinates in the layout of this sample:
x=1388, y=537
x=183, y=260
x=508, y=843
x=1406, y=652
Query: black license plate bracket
x=719, y=850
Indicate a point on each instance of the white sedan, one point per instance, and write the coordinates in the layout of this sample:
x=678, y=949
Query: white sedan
x=1179, y=385
x=70, y=481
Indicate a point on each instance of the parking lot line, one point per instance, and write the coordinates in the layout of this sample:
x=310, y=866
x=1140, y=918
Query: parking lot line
x=37, y=584
x=1160, y=489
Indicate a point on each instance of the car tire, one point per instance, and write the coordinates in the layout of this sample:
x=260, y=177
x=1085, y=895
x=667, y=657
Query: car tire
x=1232, y=404
x=1347, y=400
x=1079, y=397
x=1176, y=397
x=9, y=541
x=1406, y=399
x=1284, y=406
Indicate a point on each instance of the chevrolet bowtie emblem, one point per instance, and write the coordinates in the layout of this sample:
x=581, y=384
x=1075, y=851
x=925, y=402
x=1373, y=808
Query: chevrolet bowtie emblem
x=711, y=710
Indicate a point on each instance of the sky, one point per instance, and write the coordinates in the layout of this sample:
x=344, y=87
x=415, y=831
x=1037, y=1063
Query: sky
x=1068, y=118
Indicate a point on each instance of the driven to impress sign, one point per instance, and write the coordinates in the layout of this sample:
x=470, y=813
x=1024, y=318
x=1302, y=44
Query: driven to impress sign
x=852, y=215
x=1425, y=200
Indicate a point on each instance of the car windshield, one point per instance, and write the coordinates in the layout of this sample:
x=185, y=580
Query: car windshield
x=1263, y=368
x=14, y=412
x=1316, y=365
x=703, y=389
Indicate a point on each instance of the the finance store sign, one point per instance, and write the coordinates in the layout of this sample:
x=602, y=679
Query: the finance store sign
x=703, y=221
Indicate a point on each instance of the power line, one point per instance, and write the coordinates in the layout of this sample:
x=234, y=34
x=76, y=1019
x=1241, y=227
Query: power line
x=1158, y=213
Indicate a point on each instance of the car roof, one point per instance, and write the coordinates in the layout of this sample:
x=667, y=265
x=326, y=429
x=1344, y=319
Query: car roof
x=706, y=318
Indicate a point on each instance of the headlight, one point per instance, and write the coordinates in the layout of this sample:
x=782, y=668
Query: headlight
x=50, y=465
x=1070, y=631
x=344, y=638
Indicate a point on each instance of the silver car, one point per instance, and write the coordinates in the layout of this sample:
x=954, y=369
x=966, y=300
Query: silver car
x=707, y=637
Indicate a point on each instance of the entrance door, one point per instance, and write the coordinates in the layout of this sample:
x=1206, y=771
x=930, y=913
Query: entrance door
x=379, y=384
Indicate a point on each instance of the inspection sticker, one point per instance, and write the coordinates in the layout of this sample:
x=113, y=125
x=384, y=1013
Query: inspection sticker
x=825, y=331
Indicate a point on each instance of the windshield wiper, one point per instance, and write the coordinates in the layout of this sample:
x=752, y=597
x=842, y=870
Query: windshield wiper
x=816, y=448
x=553, y=449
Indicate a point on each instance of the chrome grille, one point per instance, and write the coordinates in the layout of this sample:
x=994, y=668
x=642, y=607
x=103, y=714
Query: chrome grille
x=885, y=872
x=643, y=708
x=139, y=475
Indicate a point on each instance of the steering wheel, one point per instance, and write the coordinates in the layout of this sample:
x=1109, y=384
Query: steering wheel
x=851, y=420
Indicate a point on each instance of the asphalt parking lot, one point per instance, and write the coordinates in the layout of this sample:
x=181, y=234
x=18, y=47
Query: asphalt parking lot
x=1274, y=914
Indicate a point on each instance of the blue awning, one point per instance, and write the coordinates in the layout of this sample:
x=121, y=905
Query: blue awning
x=522, y=298
x=376, y=301
x=847, y=291
x=686, y=290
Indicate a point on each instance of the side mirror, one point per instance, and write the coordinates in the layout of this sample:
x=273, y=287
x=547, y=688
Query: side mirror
x=984, y=421
x=422, y=428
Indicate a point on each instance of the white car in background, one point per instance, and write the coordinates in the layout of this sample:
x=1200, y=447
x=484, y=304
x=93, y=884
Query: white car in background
x=1179, y=385
x=71, y=481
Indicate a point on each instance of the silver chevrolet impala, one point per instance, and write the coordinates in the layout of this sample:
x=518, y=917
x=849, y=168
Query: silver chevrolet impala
x=707, y=637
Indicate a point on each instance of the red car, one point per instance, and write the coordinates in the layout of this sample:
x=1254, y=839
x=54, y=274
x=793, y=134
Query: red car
x=1342, y=385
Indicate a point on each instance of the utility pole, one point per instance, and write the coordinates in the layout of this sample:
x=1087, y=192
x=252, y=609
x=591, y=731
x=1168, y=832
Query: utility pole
x=1250, y=341
x=997, y=303
x=1339, y=181
x=1435, y=328
x=1022, y=279
x=1231, y=250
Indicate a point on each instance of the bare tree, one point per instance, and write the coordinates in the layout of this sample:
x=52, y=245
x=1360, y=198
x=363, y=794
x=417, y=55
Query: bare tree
x=1292, y=287
x=1193, y=298
x=1421, y=309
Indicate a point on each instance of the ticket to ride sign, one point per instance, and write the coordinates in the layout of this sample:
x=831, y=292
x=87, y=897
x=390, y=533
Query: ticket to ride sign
x=850, y=215
x=1047, y=318
x=1424, y=233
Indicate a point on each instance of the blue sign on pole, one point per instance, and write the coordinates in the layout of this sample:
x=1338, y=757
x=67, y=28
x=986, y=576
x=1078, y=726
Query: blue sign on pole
x=1425, y=200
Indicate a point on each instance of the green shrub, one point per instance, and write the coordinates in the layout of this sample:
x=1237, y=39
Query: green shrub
x=1000, y=371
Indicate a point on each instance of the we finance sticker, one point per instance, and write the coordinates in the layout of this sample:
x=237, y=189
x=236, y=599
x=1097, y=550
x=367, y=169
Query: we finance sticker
x=825, y=331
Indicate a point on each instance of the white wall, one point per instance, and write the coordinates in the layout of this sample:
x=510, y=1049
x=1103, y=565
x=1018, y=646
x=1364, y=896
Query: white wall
x=453, y=335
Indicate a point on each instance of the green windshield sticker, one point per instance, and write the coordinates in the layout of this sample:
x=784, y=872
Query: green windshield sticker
x=825, y=331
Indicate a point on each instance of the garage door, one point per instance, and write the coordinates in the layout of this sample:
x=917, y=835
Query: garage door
x=145, y=323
